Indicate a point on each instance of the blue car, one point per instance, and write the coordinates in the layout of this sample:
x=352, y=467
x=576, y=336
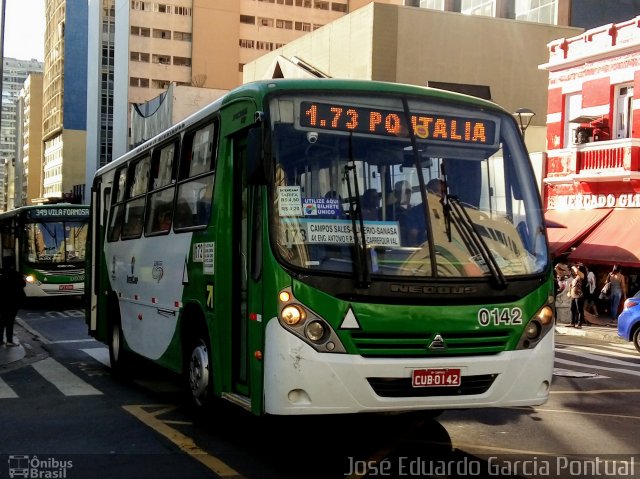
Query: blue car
x=629, y=321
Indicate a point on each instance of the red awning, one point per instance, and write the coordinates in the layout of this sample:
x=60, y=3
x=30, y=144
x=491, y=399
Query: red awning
x=566, y=228
x=615, y=241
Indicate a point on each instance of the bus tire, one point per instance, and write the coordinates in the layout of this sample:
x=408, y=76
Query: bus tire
x=198, y=370
x=117, y=355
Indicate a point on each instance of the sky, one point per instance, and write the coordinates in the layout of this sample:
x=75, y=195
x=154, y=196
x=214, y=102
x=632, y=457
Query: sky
x=24, y=29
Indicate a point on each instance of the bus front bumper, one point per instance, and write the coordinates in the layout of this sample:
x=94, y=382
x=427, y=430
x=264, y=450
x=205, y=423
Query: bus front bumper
x=300, y=380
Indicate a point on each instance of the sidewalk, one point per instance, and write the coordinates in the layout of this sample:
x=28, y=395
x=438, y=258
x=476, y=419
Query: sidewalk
x=602, y=328
x=10, y=354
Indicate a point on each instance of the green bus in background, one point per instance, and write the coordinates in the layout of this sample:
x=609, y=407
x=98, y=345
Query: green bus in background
x=329, y=246
x=47, y=244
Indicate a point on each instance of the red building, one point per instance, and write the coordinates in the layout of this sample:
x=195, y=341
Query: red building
x=591, y=186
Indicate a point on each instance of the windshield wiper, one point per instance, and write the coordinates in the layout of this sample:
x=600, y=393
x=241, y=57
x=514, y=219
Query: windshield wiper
x=456, y=213
x=362, y=261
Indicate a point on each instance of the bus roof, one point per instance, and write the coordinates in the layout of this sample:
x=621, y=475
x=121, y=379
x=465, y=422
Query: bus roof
x=261, y=88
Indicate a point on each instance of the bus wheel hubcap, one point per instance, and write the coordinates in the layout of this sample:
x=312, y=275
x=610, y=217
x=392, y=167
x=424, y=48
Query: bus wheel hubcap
x=115, y=342
x=199, y=371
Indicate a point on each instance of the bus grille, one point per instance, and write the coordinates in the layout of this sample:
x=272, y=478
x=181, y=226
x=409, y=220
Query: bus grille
x=386, y=345
x=401, y=387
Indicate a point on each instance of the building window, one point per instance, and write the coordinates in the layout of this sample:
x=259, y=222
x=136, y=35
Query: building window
x=285, y=2
x=184, y=11
x=321, y=5
x=162, y=8
x=246, y=43
x=240, y=67
x=540, y=11
x=161, y=59
x=623, y=111
x=248, y=19
x=160, y=84
x=339, y=7
x=302, y=26
x=286, y=24
x=182, y=36
x=265, y=22
x=166, y=34
x=139, y=57
x=478, y=7
x=303, y=3
x=572, y=110
x=182, y=61
x=140, y=32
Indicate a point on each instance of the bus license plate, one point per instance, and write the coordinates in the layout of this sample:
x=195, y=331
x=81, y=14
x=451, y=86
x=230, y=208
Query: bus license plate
x=423, y=378
x=66, y=286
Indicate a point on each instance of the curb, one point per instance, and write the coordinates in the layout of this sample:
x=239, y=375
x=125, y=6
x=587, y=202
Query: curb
x=602, y=333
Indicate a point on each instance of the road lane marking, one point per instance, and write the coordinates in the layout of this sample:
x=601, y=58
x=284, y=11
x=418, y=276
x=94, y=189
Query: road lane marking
x=599, y=358
x=185, y=443
x=67, y=383
x=598, y=367
x=5, y=391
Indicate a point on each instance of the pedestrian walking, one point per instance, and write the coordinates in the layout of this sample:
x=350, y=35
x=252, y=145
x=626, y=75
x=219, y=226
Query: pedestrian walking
x=576, y=295
x=592, y=293
x=12, y=285
x=617, y=290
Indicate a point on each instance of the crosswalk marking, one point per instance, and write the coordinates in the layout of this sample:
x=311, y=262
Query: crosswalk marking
x=599, y=368
x=599, y=357
x=617, y=351
x=68, y=383
x=5, y=391
x=99, y=354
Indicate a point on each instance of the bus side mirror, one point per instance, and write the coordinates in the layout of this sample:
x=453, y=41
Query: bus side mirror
x=255, y=156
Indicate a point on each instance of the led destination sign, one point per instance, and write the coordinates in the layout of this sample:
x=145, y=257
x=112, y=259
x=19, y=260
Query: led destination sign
x=359, y=119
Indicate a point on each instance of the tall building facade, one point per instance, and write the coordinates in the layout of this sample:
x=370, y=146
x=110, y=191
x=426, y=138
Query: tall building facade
x=15, y=72
x=29, y=183
x=64, y=98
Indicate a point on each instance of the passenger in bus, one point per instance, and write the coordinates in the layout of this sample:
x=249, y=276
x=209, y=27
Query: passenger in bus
x=398, y=202
x=414, y=225
x=370, y=205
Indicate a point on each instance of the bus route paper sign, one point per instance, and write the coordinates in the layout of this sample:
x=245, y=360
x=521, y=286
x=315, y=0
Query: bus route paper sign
x=289, y=201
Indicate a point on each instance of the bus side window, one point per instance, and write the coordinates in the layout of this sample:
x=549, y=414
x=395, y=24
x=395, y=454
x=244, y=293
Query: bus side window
x=117, y=209
x=133, y=219
x=195, y=188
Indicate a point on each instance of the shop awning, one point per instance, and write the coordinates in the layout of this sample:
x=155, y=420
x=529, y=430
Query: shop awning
x=566, y=228
x=614, y=241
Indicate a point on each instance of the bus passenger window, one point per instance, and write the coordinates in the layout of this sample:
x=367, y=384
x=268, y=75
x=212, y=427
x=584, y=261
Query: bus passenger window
x=133, y=221
x=115, y=223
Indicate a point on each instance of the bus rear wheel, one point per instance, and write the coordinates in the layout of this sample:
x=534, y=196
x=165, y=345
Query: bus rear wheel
x=198, y=373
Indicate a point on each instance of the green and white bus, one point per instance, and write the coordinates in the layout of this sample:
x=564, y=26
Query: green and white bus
x=47, y=244
x=286, y=250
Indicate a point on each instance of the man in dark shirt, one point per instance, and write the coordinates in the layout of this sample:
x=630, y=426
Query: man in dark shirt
x=12, y=285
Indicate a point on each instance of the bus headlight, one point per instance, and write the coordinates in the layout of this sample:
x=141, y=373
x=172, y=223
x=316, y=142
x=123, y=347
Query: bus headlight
x=306, y=324
x=292, y=315
x=537, y=327
x=30, y=278
x=533, y=329
x=315, y=331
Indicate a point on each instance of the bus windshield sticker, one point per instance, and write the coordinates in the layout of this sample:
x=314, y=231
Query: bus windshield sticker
x=312, y=231
x=376, y=121
x=329, y=207
x=208, y=260
x=289, y=201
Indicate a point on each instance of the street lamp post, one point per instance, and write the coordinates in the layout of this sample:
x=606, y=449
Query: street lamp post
x=524, y=115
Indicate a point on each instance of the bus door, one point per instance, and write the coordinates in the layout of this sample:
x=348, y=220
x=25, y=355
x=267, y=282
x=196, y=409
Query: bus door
x=247, y=335
x=96, y=281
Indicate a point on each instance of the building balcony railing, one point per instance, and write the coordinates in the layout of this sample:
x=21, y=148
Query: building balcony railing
x=611, y=160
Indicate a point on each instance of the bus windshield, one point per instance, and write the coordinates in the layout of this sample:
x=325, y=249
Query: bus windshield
x=55, y=242
x=398, y=186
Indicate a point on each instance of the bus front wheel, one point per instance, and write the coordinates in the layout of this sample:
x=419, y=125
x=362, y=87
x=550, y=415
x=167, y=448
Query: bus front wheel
x=199, y=377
